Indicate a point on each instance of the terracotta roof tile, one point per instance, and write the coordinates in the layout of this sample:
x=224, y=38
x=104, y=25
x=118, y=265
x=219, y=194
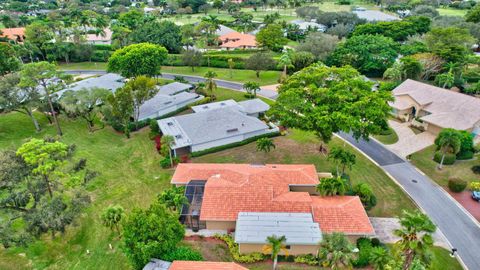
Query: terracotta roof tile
x=192, y=265
x=235, y=188
x=237, y=40
x=13, y=33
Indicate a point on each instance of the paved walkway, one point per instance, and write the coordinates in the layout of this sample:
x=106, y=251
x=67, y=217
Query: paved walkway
x=409, y=142
x=384, y=228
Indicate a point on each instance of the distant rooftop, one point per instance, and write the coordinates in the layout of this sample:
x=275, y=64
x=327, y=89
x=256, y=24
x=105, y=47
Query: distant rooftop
x=111, y=81
x=161, y=102
x=250, y=106
x=374, y=15
x=174, y=88
x=298, y=228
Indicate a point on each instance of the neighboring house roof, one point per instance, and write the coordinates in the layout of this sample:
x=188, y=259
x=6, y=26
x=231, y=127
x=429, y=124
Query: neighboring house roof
x=174, y=88
x=13, y=33
x=234, y=188
x=237, y=40
x=374, y=15
x=306, y=25
x=447, y=109
x=110, y=81
x=250, y=106
x=100, y=38
x=161, y=102
x=200, y=265
x=298, y=228
x=156, y=264
x=223, y=30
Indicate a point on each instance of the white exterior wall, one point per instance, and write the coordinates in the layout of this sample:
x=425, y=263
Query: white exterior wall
x=232, y=139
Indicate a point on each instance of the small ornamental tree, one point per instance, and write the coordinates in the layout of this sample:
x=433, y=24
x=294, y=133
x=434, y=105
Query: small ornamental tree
x=210, y=84
x=192, y=58
x=342, y=157
x=259, y=62
x=151, y=233
x=252, y=88
x=332, y=186
x=113, y=216
x=8, y=60
x=121, y=104
x=335, y=252
x=275, y=244
x=448, y=141
x=142, y=88
x=265, y=145
x=271, y=37
x=173, y=198
x=138, y=59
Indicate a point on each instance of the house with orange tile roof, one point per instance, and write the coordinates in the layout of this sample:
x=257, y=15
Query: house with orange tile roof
x=236, y=40
x=257, y=201
x=16, y=34
x=156, y=264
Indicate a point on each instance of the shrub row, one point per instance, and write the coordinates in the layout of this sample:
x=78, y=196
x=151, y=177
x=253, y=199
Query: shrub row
x=465, y=155
x=217, y=61
x=306, y=259
x=231, y=145
x=235, y=252
x=457, y=184
x=448, y=160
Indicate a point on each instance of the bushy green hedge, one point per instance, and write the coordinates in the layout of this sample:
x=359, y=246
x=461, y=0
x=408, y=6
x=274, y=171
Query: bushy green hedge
x=457, y=184
x=103, y=47
x=182, y=253
x=217, y=61
x=465, y=155
x=231, y=145
x=101, y=56
x=448, y=160
x=365, y=248
x=235, y=252
x=306, y=259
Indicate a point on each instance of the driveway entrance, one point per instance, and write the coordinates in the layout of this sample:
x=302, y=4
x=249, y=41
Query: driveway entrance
x=409, y=142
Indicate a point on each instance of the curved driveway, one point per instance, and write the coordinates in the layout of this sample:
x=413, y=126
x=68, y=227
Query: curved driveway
x=461, y=229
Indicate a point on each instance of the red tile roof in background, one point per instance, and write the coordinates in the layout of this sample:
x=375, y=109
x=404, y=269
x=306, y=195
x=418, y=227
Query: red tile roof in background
x=237, y=40
x=192, y=265
x=234, y=188
x=13, y=33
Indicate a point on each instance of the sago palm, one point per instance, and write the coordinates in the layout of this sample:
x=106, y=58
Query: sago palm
x=335, y=252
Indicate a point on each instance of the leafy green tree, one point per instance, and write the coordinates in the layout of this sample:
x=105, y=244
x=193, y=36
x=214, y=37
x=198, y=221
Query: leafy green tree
x=365, y=192
x=445, y=80
x=173, y=198
x=112, y=217
x=8, y=60
x=301, y=60
x=45, y=158
x=379, y=258
x=138, y=59
x=332, y=186
x=335, y=251
x=163, y=33
x=319, y=44
x=14, y=98
x=473, y=15
x=210, y=84
x=265, y=145
x=275, y=244
x=397, y=30
x=452, y=44
x=252, y=88
x=39, y=34
x=192, y=58
x=415, y=237
x=271, y=37
x=329, y=99
x=411, y=67
x=259, y=62
x=342, y=157
x=121, y=104
x=370, y=54
x=142, y=88
x=85, y=103
x=424, y=10
x=44, y=76
x=285, y=62
x=449, y=140
x=131, y=19
x=150, y=233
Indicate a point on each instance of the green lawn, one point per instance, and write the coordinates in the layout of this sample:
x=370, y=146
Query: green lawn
x=461, y=168
x=442, y=261
x=452, y=12
x=390, y=138
x=302, y=147
x=238, y=75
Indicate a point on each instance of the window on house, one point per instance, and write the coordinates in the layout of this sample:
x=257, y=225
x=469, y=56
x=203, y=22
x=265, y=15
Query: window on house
x=169, y=123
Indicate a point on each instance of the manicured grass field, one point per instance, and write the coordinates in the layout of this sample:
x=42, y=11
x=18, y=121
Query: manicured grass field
x=302, y=147
x=452, y=12
x=388, y=139
x=238, y=75
x=83, y=66
x=461, y=168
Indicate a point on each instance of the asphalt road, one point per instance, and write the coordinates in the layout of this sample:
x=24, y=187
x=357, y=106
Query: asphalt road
x=461, y=230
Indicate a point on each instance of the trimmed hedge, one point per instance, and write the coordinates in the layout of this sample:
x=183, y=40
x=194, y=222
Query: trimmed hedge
x=217, y=61
x=182, y=253
x=231, y=145
x=465, y=155
x=457, y=184
x=448, y=160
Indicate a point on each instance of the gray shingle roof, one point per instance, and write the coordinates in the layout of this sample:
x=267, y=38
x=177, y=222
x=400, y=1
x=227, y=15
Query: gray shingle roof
x=207, y=126
x=174, y=88
x=156, y=264
x=252, y=106
x=161, y=102
x=374, y=15
x=298, y=228
x=109, y=81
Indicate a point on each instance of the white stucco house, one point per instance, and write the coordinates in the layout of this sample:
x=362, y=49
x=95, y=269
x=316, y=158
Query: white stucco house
x=216, y=124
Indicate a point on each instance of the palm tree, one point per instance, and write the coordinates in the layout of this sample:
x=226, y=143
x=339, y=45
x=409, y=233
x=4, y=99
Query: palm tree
x=379, y=258
x=112, y=216
x=285, y=61
x=335, y=251
x=210, y=84
x=274, y=245
x=332, y=186
x=342, y=157
x=449, y=141
x=415, y=237
x=251, y=87
x=166, y=149
x=173, y=198
x=265, y=145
